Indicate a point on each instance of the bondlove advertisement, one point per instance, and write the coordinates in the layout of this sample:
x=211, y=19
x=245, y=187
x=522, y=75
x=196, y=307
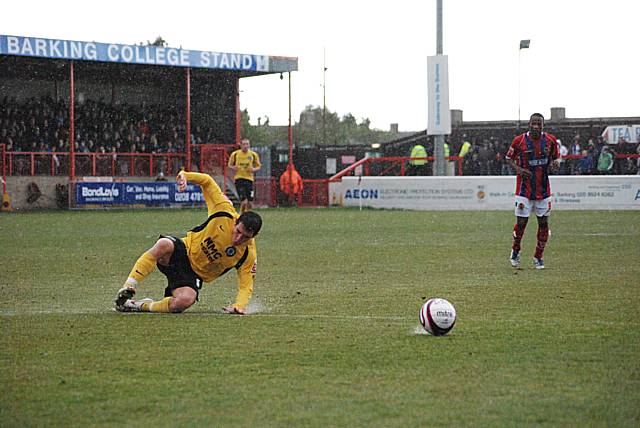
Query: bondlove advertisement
x=136, y=193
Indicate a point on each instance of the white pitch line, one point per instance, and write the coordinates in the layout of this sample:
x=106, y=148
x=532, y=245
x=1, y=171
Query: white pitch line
x=53, y=312
x=255, y=314
x=338, y=317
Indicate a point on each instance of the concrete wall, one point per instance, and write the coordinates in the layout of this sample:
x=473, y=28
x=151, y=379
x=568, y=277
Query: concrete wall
x=17, y=189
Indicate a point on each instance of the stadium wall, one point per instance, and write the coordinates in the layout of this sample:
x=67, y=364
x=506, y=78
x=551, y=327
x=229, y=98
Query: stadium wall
x=23, y=198
x=45, y=192
x=475, y=193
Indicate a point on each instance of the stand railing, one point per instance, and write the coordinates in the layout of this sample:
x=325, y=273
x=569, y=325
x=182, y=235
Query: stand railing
x=92, y=164
x=395, y=166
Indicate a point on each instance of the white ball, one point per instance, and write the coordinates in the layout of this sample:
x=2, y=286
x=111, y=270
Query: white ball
x=437, y=316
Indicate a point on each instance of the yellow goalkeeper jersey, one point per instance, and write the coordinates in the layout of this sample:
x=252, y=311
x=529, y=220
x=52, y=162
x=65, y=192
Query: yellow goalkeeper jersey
x=210, y=247
x=245, y=162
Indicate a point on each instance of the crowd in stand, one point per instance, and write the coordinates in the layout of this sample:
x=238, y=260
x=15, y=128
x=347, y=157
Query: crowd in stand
x=42, y=125
x=486, y=156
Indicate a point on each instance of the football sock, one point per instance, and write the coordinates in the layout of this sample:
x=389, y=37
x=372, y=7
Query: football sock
x=143, y=267
x=543, y=235
x=161, y=306
x=518, y=233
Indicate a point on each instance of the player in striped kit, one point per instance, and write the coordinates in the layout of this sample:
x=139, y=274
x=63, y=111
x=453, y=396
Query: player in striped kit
x=532, y=155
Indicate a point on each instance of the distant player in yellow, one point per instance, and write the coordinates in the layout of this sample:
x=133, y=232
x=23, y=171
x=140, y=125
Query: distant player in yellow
x=224, y=241
x=244, y=162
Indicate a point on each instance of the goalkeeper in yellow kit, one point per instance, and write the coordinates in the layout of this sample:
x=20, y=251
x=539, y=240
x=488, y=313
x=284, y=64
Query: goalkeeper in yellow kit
x=224, y=241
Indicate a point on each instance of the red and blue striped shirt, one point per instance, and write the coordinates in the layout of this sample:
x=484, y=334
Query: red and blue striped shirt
x=536, y=156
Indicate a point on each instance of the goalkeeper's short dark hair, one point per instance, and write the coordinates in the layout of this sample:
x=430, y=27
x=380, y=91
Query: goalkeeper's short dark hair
x=251, y=220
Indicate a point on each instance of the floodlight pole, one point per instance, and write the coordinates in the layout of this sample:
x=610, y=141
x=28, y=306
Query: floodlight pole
x=438, y=141
x=290, y=129
x=188, y=129
x=72, y=132
x=524, y=44
x=519, y=59
x=290, y=133
x=238, y=113
x=324, y=97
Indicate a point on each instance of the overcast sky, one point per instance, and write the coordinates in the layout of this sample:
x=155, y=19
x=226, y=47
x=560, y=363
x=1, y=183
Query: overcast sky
x=584, y=56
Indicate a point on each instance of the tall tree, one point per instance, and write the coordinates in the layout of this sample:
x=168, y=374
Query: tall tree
x=316, y=129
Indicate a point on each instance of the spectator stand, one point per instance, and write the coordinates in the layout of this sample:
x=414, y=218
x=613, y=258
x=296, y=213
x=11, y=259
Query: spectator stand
x=130, y=110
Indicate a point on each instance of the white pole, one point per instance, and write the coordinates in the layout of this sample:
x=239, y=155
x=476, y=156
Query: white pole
x=438, y=141
x=519, y=78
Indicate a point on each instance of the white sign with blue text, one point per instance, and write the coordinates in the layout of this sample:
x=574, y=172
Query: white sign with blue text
x=136, y=194
x=439, y=114
x=132, y=54
x=613, y=134
x=483, y=192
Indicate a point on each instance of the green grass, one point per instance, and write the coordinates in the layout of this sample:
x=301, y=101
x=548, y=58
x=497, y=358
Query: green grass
x=334, y=337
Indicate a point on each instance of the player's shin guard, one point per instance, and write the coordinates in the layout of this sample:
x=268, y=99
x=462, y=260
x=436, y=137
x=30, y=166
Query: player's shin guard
x=145, y=264
x=518, y=233
x=543, y=235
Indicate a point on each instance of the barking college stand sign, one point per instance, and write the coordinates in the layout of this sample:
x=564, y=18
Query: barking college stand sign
x=131, y=54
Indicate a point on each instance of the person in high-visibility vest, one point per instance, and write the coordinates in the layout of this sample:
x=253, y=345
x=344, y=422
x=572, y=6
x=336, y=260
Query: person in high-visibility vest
x=466, y=146
x=464, y=151
x=418, y=166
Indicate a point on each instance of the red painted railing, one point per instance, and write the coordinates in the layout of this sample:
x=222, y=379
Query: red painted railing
x=265, y=191
x=92, y=164
x=394, y=162
x=315, y=193
x=4, y=169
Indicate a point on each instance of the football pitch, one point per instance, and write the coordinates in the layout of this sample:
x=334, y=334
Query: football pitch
x=333, y=338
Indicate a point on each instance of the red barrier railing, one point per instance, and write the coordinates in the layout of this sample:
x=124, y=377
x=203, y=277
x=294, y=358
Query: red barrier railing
x=398, y=161
x=315, y=193
x=394, y=162
x=265, y=191
x=4, y=169
x=214, y=159
x=92, y=164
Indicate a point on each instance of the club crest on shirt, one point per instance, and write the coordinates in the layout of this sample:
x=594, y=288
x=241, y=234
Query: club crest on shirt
x=230, y=251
